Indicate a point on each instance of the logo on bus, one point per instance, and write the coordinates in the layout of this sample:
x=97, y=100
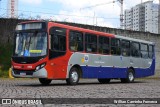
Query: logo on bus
x=86, y=58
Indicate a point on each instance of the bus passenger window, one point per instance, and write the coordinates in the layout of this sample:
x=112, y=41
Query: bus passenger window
x=144, y=50
x=62, y=46
x=125, y=46
x=90, y=43
x=57, y=42
x=135, y=49
x=58, y=39
x=151, y=51
x=115, y=46
x=75, y=41
x=103, y=45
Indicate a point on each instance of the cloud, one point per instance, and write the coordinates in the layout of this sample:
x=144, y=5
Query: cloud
x=33, y=2
x=97, y=15
x=106, y=13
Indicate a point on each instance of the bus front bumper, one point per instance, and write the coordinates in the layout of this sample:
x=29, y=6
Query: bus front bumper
x=42, y=73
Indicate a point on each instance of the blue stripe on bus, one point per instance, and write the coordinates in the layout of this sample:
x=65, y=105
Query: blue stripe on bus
x=111, y=72
x=145, y=72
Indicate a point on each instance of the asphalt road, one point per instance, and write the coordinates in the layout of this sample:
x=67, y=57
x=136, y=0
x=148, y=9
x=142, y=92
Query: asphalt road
x=87, y=88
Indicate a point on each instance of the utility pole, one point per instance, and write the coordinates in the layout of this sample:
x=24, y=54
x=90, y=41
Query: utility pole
x=121, y=15
x=94, y=17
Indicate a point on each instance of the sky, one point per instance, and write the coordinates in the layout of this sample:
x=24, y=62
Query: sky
x=105, y=13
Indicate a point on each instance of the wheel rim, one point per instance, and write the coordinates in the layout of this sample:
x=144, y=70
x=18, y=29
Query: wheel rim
x=74, y=76
x=131, y=77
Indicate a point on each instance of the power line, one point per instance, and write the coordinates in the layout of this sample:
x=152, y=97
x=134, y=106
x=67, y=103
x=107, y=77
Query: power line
x=59, y=14
x=121, y=14
x=32, y=14
x=98, y=5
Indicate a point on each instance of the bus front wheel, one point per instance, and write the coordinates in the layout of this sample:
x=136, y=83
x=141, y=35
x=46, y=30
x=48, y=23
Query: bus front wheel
x=73, y=76
x=130, y=77
x=104, y=81
x=44, y=81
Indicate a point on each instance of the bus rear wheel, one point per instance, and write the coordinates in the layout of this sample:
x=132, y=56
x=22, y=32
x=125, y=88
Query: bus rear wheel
x=73, y=76
x=130, y=77
x=104, y=81
x=44, y=81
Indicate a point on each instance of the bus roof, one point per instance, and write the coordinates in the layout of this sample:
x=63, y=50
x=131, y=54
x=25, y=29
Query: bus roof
x=104, y=33
x=83, y=29
x=134, y=40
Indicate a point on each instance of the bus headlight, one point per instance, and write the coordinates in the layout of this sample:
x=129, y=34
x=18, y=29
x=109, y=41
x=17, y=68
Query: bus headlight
x=40, y=66
x=37, y=68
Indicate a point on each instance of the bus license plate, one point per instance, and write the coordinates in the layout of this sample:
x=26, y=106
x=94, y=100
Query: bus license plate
x=23, y=74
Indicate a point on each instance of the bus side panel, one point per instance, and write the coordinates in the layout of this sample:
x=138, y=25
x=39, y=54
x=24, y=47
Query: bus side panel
x=57, y=67
x=115, y=72
x=139, y=72
x=104, y=72
x=84, y=71
x=98, y=66
x=107, y=66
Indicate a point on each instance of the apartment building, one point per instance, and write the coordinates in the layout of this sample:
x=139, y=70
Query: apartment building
x=142, y=17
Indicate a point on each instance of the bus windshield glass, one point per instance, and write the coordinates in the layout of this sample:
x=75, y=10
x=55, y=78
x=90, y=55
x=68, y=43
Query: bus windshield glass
x=31, y=44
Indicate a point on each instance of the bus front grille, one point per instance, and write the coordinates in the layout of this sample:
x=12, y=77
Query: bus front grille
x=18, y=72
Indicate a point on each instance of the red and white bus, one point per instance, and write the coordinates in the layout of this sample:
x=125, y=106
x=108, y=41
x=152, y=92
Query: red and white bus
x=52, y=51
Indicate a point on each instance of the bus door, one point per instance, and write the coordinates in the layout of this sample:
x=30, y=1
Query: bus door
x=57, y=52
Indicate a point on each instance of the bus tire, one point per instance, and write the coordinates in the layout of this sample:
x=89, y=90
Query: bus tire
x=104, y=81
x=44, y=81
x=73, y=76
x=130, y=77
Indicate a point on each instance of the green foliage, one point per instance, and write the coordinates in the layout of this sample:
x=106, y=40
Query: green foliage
x=5, y=59
x=4, y=74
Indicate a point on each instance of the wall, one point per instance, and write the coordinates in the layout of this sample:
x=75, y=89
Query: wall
x=8, y=25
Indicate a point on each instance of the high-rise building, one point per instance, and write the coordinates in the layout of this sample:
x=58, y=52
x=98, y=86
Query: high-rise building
x=12, y=9
x=142, y=17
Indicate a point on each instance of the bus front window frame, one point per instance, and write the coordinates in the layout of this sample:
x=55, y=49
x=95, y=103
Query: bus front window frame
x=26, y=45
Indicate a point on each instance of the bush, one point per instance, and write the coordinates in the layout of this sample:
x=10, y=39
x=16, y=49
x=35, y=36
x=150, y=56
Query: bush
x=4, y=74
x=5, y=59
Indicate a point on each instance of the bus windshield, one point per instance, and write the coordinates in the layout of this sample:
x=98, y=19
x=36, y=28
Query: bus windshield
x=30, y=44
